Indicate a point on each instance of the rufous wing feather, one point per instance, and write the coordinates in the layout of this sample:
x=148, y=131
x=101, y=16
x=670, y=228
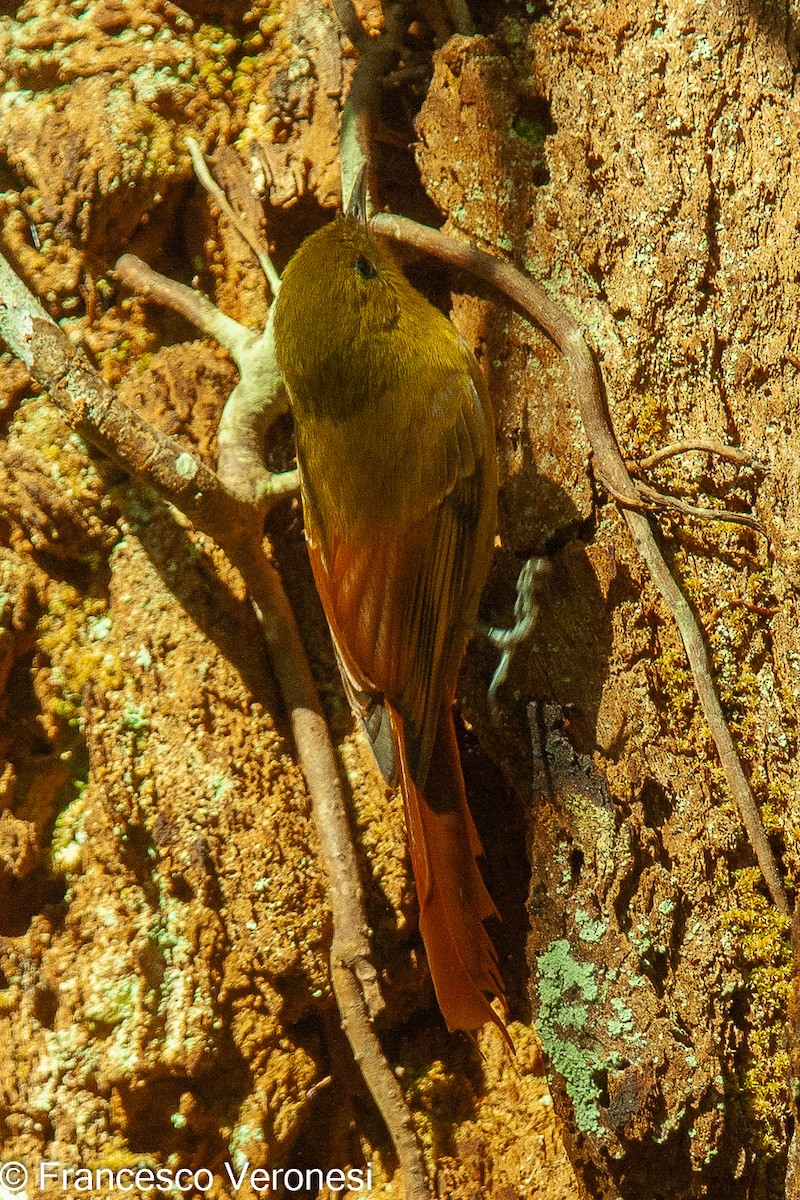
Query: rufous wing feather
x=453, y=900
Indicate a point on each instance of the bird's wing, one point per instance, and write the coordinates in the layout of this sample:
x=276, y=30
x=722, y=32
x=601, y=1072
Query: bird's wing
x=399, y=606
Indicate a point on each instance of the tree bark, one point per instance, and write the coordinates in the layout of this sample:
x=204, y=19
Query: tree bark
x=165, y=995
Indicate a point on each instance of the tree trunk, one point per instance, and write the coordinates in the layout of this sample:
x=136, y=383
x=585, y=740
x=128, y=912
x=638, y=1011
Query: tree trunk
x=165, y=999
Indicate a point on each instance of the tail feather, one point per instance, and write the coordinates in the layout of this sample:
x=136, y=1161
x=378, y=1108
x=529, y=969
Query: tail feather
x=453, y=900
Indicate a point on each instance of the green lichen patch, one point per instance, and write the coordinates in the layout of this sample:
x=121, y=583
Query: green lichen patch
x=567, y=988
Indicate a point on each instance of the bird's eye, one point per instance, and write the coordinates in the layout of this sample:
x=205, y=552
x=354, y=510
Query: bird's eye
x=364, y=268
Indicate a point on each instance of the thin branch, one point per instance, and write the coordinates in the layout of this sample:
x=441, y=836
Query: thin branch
x=258, y=398
x=192, y=305
x=761, y=610
x=91, y=408
x=242, y=228
x=534, y=301
x=732, y=453
x=650, y=499
x=381, y=1081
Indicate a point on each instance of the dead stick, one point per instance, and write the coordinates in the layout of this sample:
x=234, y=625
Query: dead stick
x=256, y=400
x=250, y=236
x=733, y=454
x=376, y=55
x=651, y=499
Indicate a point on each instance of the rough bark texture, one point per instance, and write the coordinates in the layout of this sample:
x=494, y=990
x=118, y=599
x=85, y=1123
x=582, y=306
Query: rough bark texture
x=164, y=927
x=666, y=215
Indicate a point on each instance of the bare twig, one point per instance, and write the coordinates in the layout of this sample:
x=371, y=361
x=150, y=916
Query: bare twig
x=91, y=408
x=610, y=466
x=258, y=398
x=242, y=228
x=761, y=610
x=732, y=453
x=650, y=499
x=192, y=305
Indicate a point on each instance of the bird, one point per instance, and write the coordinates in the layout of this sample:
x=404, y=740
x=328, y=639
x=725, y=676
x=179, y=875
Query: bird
x=395, y=447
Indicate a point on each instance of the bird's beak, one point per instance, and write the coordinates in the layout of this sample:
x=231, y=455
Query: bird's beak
x=357, y=206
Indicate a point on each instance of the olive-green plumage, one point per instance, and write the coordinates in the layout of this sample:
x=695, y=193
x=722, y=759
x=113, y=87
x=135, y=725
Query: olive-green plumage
x=395, y=445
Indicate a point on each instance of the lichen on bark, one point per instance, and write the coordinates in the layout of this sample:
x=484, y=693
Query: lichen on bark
x=163, y=955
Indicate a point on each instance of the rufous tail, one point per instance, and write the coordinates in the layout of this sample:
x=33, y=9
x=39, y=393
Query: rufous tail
x=453, y=900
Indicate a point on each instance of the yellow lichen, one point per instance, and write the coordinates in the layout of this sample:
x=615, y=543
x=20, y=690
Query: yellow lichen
x=71, y=638
x=762, y=937
x=676, y=684
x=651, y=426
